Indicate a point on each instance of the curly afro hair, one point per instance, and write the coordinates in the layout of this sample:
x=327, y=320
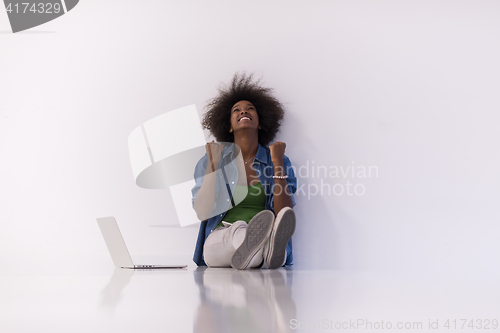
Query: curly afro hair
x=242, y=88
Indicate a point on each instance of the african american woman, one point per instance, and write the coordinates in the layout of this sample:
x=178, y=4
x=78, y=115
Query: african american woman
x=244, y=185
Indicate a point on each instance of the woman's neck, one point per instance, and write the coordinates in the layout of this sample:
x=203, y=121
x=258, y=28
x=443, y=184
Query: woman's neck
x=248, y=145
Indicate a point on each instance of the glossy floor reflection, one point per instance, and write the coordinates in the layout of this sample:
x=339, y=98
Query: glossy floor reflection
x=227, y=300
x=244, y=301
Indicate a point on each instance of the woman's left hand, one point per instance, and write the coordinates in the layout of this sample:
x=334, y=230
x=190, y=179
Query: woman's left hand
x=277, y=151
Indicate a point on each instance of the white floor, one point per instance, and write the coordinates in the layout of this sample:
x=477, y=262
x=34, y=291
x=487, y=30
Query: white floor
x=227, y=300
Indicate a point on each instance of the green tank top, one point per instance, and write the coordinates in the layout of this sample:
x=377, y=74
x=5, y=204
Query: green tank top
x=254, y=202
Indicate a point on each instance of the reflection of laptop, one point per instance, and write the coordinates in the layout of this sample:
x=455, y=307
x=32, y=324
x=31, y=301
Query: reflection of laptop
x=118, y=249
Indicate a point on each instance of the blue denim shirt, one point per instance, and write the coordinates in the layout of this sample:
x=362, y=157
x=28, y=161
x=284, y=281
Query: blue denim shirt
x=226, y=180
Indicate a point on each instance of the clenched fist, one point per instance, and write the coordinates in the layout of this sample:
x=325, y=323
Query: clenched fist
x=214, y=151
x=277, y=151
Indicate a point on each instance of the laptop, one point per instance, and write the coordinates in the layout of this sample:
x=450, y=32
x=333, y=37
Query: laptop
x=118, y=249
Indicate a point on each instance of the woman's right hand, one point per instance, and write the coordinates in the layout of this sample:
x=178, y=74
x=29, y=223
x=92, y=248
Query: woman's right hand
x=214, y=152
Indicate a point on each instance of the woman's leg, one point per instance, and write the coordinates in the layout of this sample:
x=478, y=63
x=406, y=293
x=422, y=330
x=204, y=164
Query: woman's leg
x=223, y=241
x=239, y=245
x=220, y=244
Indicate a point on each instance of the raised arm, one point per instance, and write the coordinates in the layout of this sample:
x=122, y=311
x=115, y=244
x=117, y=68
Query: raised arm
x=205, y=199
x=282, y=195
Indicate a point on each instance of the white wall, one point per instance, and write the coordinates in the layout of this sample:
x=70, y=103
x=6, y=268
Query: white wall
x=410, y=87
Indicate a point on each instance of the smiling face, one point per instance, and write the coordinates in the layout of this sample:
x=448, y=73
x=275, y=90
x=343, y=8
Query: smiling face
x=244, y=116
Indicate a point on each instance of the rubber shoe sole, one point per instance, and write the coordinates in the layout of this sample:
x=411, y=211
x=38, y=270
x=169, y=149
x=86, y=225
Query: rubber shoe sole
x=257, y=234
x=284, y=227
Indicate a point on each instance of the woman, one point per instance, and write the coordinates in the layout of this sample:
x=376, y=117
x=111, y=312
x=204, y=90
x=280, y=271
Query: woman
x=244, y=191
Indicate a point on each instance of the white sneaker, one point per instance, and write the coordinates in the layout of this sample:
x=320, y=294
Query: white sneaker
x=283, y=229
x=257, y=233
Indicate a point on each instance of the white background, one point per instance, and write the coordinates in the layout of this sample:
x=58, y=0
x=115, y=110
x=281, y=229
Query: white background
x=410, y=87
